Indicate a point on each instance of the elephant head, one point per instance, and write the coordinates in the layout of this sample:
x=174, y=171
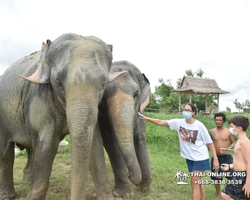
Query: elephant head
x=75, y=68
x=124, y=96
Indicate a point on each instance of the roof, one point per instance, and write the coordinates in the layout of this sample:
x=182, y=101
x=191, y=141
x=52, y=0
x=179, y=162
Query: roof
x=196, y=85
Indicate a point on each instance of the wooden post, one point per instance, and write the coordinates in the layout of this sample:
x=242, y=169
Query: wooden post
x=190, y=98
x=218, y=96
x=179, y=102
x=206, y=103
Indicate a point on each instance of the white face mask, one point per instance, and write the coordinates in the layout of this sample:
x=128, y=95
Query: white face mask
x=232, y=131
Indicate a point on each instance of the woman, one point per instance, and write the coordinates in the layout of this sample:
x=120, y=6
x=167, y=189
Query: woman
x=194, y=140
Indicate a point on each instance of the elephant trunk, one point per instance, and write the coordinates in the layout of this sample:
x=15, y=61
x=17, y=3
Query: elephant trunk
x=81, y=117
x=121, y=116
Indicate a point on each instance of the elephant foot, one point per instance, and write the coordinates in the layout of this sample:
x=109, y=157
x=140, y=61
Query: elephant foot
x=104, y=192
x=106, y=198
x=144, y=185
x=9, y=196
x=123, y=191
x=143, y=189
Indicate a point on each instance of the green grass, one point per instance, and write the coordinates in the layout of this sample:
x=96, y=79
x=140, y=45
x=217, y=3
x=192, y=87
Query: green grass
x=165, y=159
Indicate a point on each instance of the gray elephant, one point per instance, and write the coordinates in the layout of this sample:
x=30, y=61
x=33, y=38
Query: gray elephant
x=58, y=93
x=123, y=132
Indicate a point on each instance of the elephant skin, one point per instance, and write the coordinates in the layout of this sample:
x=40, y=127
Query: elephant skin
x=123, y=132
x=45, y=96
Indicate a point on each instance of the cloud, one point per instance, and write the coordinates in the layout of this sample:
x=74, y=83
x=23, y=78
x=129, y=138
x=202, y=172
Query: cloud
x=163, y=39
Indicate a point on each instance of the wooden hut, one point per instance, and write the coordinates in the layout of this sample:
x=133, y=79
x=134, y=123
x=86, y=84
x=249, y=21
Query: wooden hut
x=202, y=86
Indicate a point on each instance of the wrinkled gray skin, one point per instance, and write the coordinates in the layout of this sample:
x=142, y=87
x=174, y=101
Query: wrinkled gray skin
x=123, y=132
x=39, y=109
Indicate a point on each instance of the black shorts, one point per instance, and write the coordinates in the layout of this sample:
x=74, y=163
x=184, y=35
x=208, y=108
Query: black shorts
x=234, y=187
x=228, y=159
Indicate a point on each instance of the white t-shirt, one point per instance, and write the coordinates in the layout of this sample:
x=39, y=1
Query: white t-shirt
x=193, y=139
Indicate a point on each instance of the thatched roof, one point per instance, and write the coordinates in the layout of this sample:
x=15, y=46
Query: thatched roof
x=195, y=85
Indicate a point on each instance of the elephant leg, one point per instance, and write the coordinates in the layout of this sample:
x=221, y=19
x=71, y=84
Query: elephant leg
x=143, y=159
x=98, y=168
x=142, y=156
x=27, y=171
x=123, y=186
x=7, y=190
x=45, y=152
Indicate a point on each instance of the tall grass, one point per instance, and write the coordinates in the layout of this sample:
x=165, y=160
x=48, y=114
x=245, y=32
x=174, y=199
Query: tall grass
x=165, y=159
x=163, y=145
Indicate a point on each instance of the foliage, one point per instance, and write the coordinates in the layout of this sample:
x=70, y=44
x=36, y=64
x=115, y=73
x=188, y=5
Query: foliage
x=154, y=103
x=245, y=106
x=163, y=98
x=228, y=109
x=198, y=73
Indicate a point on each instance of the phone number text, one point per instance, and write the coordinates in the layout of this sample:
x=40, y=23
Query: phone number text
x=218, y=182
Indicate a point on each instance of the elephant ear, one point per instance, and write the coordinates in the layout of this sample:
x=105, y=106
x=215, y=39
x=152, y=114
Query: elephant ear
x=145, y=91
x=42, y=73
x=113, y=76
x=111, y=47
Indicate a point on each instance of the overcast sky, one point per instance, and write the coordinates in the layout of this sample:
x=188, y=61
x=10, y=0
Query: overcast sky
x=162, y=38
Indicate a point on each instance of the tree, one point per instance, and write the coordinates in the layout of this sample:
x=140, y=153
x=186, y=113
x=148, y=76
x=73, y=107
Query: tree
x=245, y=106
x=228, y=109
x=154, y=103
x=189, y=72
x=238, y=105
x=200, y=72
x=163, y=98
x=178, y=82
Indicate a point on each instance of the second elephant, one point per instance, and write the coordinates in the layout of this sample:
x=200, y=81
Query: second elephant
x=123, y=132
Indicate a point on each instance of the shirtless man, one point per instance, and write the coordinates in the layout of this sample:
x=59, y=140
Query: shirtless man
x=239, y=188
x=222, y=138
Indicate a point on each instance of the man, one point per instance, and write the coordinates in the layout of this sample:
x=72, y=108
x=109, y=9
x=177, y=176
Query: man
x=239, y=189
x=222, y=139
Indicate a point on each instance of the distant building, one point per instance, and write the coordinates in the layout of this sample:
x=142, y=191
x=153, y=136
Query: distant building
x=203, y=86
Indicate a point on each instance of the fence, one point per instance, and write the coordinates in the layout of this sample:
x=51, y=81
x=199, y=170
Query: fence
x=171, y=111
x=161, y=110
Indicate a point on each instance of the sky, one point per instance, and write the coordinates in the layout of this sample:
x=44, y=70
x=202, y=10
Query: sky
x=163, y=38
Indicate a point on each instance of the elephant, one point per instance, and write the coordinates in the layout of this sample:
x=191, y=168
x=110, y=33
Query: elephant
x=123, y=132
x=43, y=97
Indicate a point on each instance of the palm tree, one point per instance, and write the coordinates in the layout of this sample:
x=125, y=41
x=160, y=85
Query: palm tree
x=185, y=176
x=178, y=175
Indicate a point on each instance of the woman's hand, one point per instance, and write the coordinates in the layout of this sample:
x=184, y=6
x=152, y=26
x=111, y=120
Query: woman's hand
x=216, y=165
x=141, y=115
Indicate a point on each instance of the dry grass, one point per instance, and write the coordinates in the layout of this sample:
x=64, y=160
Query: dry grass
x=59, y=187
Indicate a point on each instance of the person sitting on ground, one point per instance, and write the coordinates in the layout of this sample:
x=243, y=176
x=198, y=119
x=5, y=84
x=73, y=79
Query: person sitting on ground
x=194, y=140
x=222, y=139
x=239, y=187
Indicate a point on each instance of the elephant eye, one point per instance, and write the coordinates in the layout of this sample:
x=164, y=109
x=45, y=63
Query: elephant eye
x=103, y=87
x=135, y=94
